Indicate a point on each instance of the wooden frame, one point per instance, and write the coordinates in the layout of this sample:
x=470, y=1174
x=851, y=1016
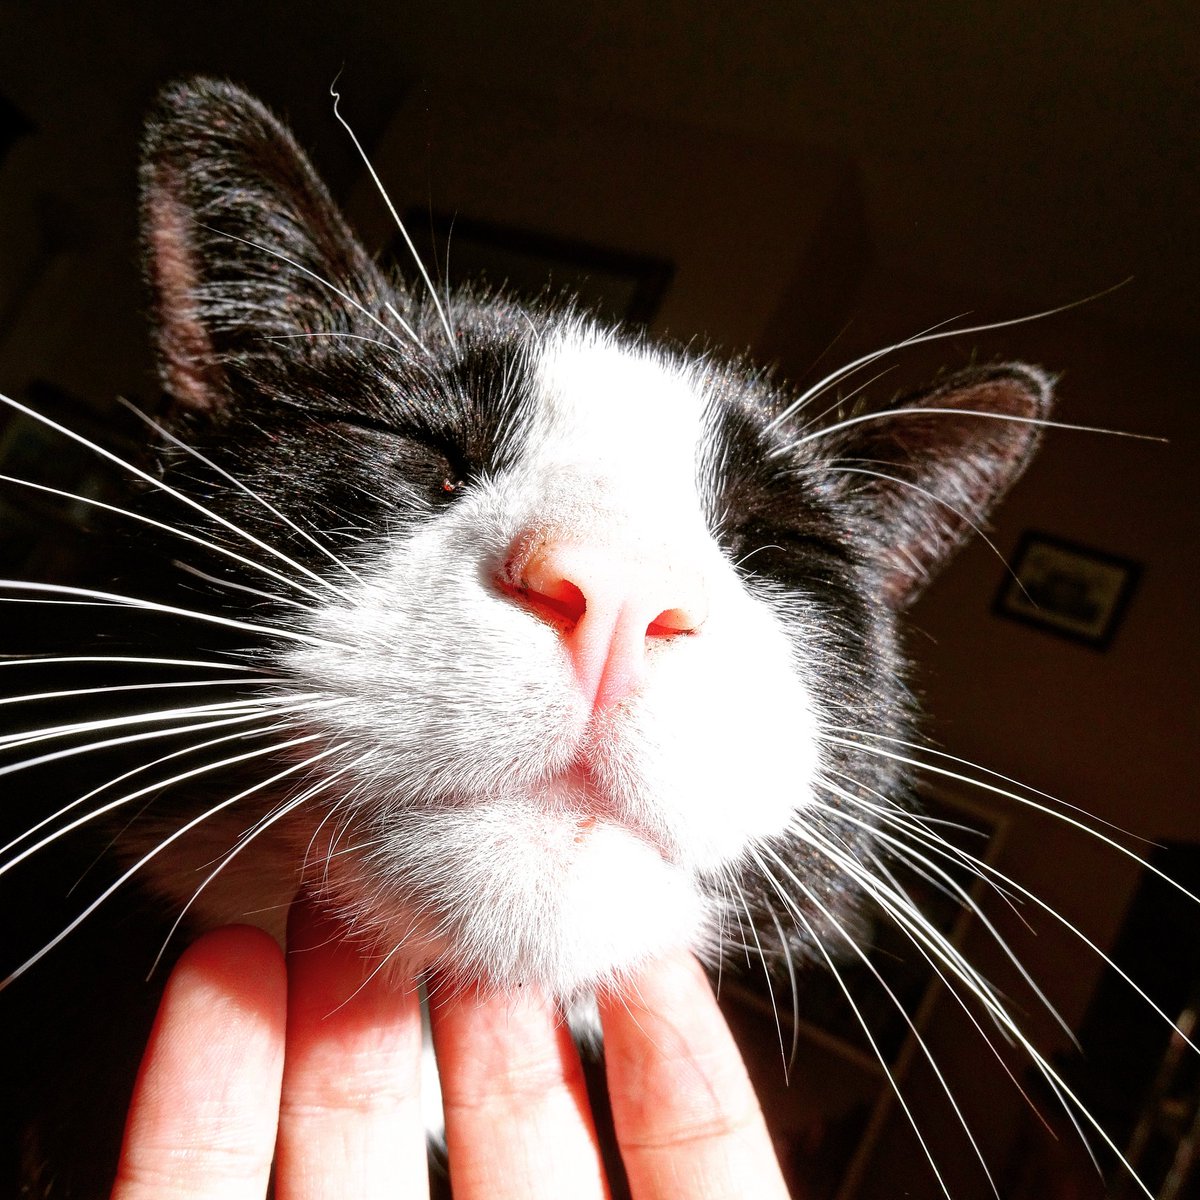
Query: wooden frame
x=1067, y=589
x=614, y=283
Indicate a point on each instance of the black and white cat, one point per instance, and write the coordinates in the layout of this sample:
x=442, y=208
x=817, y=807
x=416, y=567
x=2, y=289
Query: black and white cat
x=530, y=646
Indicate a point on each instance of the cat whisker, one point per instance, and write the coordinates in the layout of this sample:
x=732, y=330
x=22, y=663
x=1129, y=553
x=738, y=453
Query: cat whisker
x=267, y=704
x=914, y=819
x=108, y=743
x=157, y=786
x=103, y=852
x=722, y=911
x=444, y=268
x=288, y=805
x=886, y=414
x=900, y=848
x=918, y=827
x=864, y=1024
x=169, y=437
x=790, y=966
x=325, y=283
x=1105, y=958
x=923, y=934
x=900, y=907
x=842, y=401
x=987, y=1041
x=383, y=962
x=174, y=530
x=412, y=333
x=917, y=861
x=132, y=660
x=934, y=333
x=74, y=924
x=165, y=488
x=191, y=748
x=329, y=333
x=974, y=766
x=931, y=956
x=312, y=841
x=111, y=689
x=230, y=585
x=245, y=840
x=333, y=850
x=740, y=564
x=823, y=385
x=1018, y=799
x=905, y=913
x=839, y=467
x=450, y=339
x=118, y=599
x=766, y=974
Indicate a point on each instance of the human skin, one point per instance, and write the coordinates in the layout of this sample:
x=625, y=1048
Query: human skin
x=302, y=1062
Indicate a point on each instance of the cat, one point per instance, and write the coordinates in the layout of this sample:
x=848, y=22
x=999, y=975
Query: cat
x=529, y=646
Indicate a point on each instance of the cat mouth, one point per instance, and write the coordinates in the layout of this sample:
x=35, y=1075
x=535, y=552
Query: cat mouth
x=577, y=796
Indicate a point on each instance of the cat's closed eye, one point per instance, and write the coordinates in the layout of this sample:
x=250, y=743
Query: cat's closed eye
x=417, y=464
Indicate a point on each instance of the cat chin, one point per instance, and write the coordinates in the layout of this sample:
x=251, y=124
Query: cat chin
x=516, y=896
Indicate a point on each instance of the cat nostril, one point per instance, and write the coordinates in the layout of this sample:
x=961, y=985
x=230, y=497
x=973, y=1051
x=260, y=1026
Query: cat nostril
x=562, y=581
x=559, y=601
x=538, y=583
x=673, y=621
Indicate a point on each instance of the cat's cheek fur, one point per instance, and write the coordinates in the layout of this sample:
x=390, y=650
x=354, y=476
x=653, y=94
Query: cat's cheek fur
x=444, y=683
x=722, y=741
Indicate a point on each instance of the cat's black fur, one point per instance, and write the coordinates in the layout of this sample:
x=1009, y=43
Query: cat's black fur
x=292, y=388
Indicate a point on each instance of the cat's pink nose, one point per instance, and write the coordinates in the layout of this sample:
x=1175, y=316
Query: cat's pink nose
x=608, y=603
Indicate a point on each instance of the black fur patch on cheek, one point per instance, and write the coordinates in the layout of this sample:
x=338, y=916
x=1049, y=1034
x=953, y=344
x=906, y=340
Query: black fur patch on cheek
x=352, y=444
x=776, y=520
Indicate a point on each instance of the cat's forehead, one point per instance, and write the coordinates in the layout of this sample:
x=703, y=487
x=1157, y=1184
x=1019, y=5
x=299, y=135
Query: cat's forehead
x=592, y=387
x=616, y=412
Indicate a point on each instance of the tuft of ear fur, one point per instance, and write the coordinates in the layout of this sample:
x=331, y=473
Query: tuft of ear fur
x=927, y=471
x=241, y=241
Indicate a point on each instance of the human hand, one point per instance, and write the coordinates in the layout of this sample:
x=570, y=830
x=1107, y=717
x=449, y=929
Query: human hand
x=252, y=1060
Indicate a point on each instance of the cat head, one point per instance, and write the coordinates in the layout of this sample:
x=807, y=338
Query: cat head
x=585, y=644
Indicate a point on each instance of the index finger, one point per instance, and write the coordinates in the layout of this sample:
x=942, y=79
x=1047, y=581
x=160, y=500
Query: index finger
x=687, y=1119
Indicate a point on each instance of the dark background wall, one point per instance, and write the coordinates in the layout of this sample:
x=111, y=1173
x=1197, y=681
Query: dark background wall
x=854, y=171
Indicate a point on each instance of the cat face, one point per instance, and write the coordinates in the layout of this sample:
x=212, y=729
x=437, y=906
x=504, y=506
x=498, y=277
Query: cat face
x=568, y=712
x=576, y=631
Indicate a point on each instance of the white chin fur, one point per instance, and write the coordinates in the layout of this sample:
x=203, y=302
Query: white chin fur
x=511, y=893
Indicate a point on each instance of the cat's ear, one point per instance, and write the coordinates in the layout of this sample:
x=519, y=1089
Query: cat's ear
x=241, y=242
x=926, y=471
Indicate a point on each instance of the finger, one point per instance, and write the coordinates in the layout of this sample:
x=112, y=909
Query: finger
x=202, y=1122
x=687, y=1120
x=350, y=1118
x=515, y=1103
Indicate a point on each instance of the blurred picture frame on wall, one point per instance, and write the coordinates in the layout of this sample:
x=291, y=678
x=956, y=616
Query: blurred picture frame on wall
x=616, y=284
x=1064, y=588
